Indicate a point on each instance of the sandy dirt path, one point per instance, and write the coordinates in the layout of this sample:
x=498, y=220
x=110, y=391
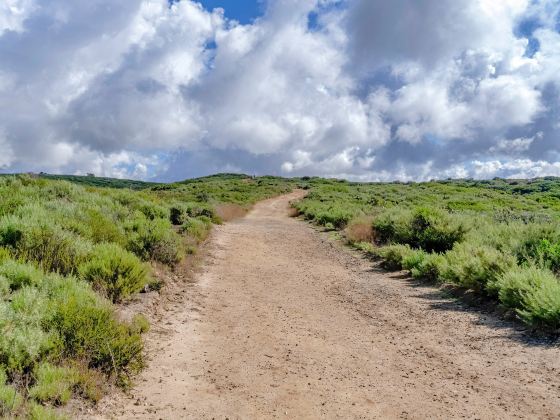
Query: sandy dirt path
x=285, y=323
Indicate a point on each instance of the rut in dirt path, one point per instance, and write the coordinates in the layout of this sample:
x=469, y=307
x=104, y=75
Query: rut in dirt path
x=284, y=323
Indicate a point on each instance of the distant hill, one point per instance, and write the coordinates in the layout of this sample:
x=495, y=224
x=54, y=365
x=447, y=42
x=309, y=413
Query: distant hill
x=94, y=181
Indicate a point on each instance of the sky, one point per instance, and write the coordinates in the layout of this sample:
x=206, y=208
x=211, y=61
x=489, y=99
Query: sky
x=367, y=90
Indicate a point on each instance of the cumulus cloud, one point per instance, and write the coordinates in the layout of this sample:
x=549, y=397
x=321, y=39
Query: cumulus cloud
x=364, y=89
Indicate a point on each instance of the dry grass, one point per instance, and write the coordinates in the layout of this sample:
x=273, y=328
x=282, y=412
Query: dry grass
x=228, y=211
x=293, y=212
x=360, y=230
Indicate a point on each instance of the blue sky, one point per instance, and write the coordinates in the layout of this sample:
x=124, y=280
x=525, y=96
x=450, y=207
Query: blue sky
x=359, y=89
x=244, y=11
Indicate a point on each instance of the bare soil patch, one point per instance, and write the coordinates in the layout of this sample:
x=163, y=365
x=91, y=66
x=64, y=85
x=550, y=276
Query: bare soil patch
x=282, y=322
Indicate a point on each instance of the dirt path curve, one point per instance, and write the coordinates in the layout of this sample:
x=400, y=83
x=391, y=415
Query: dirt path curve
x=285, y=323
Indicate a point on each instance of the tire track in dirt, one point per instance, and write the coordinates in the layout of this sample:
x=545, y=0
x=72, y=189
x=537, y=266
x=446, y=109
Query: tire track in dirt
x=285, y=323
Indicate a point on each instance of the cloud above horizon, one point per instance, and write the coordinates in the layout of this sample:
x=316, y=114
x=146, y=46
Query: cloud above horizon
x=360, y=89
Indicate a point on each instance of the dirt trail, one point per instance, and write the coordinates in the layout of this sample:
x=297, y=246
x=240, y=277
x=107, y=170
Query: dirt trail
x=285, y=323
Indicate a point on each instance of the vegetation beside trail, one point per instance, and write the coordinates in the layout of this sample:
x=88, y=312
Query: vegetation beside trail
x=69, y=251
x=498, y=238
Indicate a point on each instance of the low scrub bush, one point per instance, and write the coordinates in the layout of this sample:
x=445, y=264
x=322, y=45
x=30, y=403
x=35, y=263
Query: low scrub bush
x=102, y=228
x=430, y=267
x=53, y=384
x=140, y=324
x=335, y=218
x=436, y=231
x=43, y=242
x=367, y=247
x=19, y=275
x=114, y=272
x=154, y=211
x=38, y=412
x=63, y=318
x=393, y=226
x=414, y=259
x=10, y=399
x=89, y=331
x=429, y=229
x=24, y=340
x=546, y=254
x=534, y=293
x=476, y=267
x=155, y=240
x=5, y=254
x=394, y=255
x=197, y=228
x=177, y=215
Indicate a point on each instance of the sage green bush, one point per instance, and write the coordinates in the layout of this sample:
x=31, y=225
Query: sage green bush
x=114, y=272
x=414, y=259
x=534, y=293
x=53, y=384
x=430, y=268
x=474, y=267
x=10, y=400
x=197, y=227
x=394, y=255
x=154, y=240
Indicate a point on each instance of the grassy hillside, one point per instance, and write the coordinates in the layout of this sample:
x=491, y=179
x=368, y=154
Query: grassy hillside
x=69, y=251
x=498, y=238
x=93, y=181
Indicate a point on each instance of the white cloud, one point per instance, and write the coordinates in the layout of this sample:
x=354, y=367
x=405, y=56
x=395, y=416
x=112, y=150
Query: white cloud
x=13, y=14
x=409, y=89
x=514, y=146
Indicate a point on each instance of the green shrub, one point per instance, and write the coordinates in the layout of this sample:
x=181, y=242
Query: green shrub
x=153, y=211
x=103, y=228
x=53, y=248
x=430, y=268
x=38, y=412
x=197, y=227
x=11, y=231
x=413, y=260
x=178, y=215
x=200, y=209
x=155, y=239
x=5, y=288
x=435, y=231
x=10, y=399
x=547, y=254
x=19, y=275
x=393, y=226
x=115, y=272
x=54, y=384
x=43, y=242
x=181, y=212
x=393, y=256
x=476, y=267
x=140, y=324
x=534, y=293
x=335, y=216
x=366, y=247
x=24, y=340
x=89, y=330
x=5, y=254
